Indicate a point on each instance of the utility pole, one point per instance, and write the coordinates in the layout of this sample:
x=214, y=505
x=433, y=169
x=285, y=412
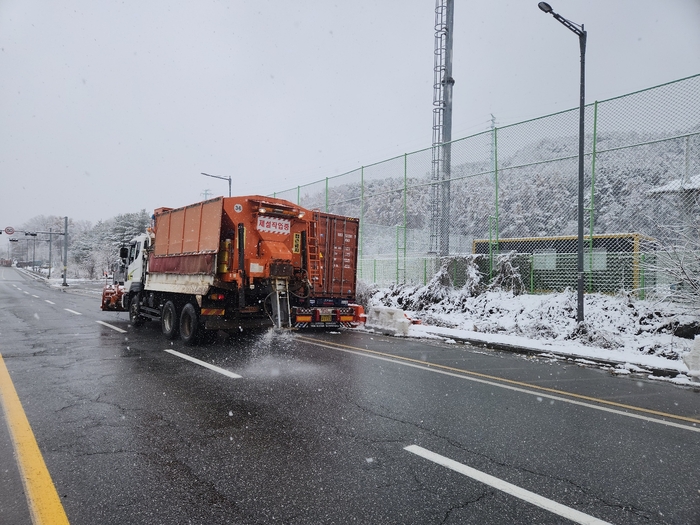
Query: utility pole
x=50, y=249
x=65, y=250
x=31, y=234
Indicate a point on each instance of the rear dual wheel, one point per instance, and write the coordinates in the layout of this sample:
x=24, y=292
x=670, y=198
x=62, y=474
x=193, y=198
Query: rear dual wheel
x=189, y=324
x=169, y=320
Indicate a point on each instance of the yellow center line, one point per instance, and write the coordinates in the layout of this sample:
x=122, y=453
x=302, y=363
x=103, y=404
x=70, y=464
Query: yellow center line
x=428, y=364
x=44, y=504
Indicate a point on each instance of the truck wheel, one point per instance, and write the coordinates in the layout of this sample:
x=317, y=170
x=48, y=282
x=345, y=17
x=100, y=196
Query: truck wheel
x=189, y=324
x=134, y=317
x=169, y=321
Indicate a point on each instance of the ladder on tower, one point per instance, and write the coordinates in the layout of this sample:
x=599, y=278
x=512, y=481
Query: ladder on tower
x=314, y=270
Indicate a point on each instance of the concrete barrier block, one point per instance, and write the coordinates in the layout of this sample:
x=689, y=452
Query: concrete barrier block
x=387, y=320
x=692, y=359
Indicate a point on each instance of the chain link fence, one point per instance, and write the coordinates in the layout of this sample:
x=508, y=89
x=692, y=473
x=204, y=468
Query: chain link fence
x=514, y=189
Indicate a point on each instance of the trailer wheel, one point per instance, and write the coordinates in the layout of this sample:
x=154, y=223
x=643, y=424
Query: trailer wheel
x=169, y=322
x=134, y=317
x=189, y=324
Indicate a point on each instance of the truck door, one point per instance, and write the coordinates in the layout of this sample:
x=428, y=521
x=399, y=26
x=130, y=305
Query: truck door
x=135, y=263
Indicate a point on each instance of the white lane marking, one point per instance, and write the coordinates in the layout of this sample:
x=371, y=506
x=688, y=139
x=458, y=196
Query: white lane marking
x=35, y=296
x=26, y=292
x=205, y=365
x=516, y=389
x=111, y=326
x=72, y=311
x=497, y=483
x=50, y=302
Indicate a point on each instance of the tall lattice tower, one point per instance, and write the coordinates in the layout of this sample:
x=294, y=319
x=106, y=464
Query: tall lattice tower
x=442, y=129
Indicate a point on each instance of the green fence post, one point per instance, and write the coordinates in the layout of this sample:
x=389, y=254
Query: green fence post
x=362, y=211
x=591, y=209
x=490, y=250
x=495, y=175
x=397, y=254
x=405, y=211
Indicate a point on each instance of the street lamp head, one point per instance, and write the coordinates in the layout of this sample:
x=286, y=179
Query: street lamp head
x=222, y=178
x=571, y=26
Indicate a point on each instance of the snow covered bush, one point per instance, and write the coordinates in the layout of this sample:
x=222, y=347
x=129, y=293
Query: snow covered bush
x=507, y=274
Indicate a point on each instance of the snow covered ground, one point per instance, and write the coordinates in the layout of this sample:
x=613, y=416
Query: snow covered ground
x=630, y=335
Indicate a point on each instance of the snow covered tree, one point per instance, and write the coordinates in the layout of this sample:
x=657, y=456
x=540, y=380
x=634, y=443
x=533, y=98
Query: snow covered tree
x=94, y=249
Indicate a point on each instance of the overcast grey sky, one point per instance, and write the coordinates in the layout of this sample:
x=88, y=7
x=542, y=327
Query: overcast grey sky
x=111, y=107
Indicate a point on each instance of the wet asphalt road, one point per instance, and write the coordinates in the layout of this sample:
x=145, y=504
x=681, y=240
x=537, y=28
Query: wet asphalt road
x=315, y=429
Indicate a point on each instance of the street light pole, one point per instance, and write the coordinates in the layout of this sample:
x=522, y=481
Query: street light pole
x=581, y=33
x=50, y=251
x=222, y=178
x=32, y=234
x=65, y=250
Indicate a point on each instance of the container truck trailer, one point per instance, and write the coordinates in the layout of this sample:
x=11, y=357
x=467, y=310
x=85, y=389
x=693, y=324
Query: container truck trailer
x=236, y=262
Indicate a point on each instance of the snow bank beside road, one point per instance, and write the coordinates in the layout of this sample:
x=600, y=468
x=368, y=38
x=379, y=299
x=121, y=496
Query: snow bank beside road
x=618, y=329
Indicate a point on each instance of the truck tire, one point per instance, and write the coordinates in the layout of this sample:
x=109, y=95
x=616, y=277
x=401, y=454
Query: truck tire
x=134, y=317
x=169, y=321
x=189, y=324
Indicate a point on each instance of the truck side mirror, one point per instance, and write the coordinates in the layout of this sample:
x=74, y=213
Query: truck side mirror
x=124, y=252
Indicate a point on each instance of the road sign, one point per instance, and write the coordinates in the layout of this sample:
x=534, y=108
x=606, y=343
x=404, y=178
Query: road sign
x=9, y=230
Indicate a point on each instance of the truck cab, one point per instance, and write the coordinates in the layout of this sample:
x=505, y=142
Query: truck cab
x=134, y=257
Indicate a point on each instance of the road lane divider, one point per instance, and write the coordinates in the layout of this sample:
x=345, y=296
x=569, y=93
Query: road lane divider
x=499, y=484
x=214, y=368
x=50, y=302
x=115, y=328
x=518, y=386
x=44, y=503
x=72, y=311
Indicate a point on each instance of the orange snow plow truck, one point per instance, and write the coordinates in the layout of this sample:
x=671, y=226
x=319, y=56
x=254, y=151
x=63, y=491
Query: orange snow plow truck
x=236, y=262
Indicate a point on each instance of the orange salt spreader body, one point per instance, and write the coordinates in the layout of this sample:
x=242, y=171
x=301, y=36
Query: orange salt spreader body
x=228, y=263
